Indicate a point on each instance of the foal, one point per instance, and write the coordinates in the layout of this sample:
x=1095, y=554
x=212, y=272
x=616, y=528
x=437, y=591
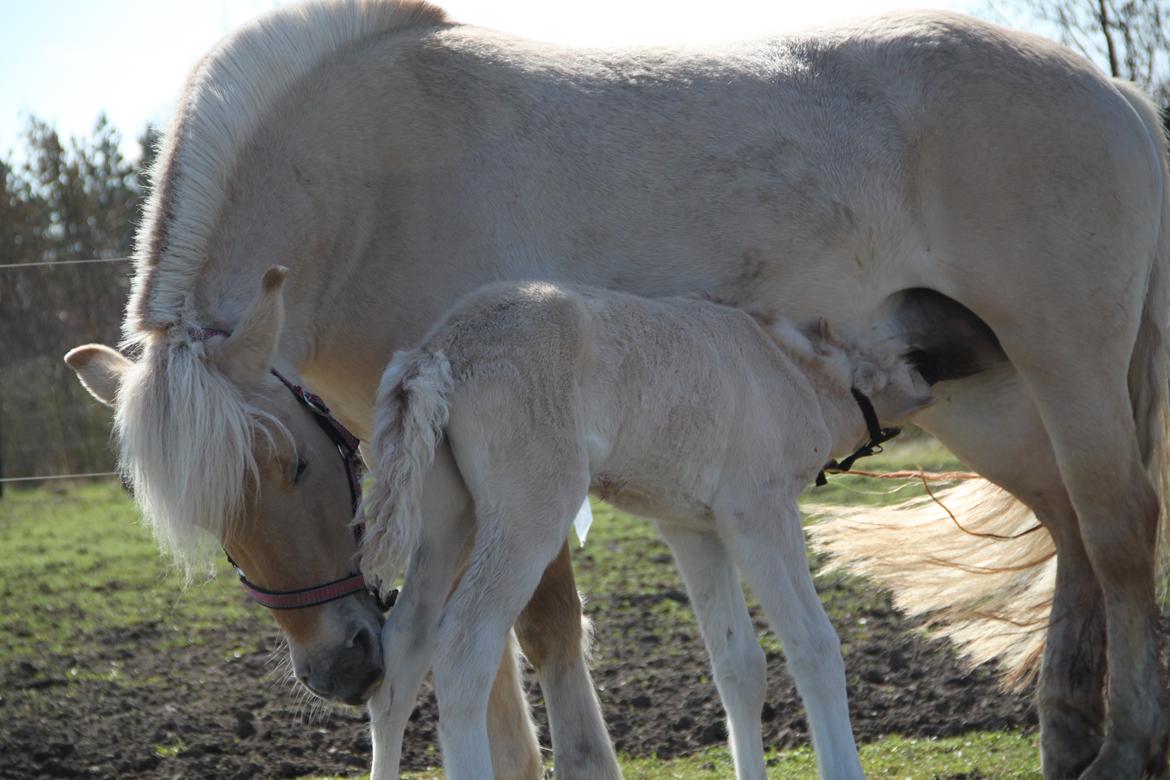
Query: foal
x=682, y=410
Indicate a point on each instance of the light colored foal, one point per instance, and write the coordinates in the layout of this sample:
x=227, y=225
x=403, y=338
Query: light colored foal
x=682, y=410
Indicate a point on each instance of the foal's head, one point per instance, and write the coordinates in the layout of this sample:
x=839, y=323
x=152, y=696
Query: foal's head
x=879, y=371
x=220, y=453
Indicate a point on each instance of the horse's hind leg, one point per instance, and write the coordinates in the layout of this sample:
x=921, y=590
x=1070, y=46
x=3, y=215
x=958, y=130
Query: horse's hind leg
x=736, y=657
x=767, y=544
x=1087, y=414
x=1117, y=512
x=990, y=422
x=554, y=637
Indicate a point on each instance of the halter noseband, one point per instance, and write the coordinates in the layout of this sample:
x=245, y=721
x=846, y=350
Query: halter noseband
x=347, y=448
x=877, y=436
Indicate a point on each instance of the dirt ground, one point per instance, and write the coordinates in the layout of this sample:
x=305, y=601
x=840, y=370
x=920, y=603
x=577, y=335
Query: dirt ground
x=201, y=711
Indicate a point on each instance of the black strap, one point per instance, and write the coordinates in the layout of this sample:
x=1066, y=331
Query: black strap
x=877, y=436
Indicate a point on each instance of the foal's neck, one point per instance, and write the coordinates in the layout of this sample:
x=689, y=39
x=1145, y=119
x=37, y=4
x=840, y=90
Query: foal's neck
x=832, y=388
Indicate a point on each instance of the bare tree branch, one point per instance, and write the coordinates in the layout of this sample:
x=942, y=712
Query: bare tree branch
x=1107, y=32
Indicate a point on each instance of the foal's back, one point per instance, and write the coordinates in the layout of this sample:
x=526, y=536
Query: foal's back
x=632, y=380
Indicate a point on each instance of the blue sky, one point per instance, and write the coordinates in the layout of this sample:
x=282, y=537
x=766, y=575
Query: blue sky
x=68, y=60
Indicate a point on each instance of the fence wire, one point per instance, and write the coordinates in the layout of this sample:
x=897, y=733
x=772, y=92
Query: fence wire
x=57, y=263
x=50, y=427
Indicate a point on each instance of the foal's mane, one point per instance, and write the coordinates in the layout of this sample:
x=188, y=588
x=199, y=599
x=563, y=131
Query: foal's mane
x=187, y=433
x=226, y=97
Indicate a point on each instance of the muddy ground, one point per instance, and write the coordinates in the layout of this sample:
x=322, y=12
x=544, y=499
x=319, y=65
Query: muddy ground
x=116, y=709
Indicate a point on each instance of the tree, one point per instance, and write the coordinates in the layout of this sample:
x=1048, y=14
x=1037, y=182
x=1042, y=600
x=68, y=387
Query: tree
x=66, y=201
x=1130, y=39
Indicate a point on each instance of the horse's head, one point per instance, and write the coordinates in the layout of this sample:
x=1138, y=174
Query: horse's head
x=217, y=448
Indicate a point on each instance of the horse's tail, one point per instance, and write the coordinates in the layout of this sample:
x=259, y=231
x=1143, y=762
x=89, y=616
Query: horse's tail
x=410, y=414
x=986, y=584
x=1149, y=366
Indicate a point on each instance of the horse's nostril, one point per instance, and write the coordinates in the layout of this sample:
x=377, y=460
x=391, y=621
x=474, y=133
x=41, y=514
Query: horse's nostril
x=363, y=640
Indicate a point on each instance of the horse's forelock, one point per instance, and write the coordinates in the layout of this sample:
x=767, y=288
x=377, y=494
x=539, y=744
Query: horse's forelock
x=227, y=96
x=187, y=436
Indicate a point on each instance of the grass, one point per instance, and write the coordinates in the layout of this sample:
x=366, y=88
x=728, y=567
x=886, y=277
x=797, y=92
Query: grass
x=1003, y=756
x=79, y=565
x=75, y=566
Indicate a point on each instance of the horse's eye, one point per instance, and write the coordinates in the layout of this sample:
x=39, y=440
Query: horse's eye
x=302, y=464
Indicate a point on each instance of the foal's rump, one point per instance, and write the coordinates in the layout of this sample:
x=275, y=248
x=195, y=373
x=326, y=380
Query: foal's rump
x=497, y=376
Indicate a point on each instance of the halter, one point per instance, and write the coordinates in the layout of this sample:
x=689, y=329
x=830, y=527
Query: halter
x=347, y=448
x=877, y=436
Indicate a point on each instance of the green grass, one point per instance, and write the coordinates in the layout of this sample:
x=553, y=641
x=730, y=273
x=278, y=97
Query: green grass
x=1003, y=756
x=922, y=453
x=75, y=562
x=76, y=565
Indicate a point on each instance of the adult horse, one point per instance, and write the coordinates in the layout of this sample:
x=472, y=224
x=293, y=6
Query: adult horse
x=984, y=194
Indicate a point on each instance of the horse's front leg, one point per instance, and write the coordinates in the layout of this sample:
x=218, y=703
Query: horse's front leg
x=554, y=636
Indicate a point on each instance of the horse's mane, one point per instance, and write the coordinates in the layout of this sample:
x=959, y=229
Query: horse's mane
x=186, y=432
x=225, y=98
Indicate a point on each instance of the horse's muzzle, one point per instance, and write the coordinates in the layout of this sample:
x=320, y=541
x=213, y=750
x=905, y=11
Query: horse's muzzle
x=349, y=673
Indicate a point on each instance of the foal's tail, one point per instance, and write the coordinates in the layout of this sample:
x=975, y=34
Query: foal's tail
x=410, y=414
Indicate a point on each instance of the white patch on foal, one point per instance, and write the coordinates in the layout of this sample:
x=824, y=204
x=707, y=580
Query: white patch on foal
x=582, y=520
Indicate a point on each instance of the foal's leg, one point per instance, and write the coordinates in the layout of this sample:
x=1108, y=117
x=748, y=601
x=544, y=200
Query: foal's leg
x=408, y=639
x=408, y=636
x=991, y=424
x=767, y=543
x=736, y=657
x=551, y=633
x=516, y=538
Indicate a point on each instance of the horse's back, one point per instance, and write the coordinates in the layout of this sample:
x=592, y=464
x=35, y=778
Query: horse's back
x=846, y=157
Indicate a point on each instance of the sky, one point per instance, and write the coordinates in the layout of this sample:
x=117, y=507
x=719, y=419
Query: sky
x=66, y=61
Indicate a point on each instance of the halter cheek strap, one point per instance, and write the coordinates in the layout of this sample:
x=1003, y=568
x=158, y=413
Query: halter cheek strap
x=347, y=448
x=877, y=436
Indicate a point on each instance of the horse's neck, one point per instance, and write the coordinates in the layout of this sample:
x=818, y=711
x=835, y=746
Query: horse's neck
x=385, y=222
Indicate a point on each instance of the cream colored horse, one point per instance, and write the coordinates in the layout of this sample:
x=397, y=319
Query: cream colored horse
x=524, y=397
x=985, y=195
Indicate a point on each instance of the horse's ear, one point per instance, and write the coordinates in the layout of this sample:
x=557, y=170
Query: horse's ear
x=247, y=355
x=100, y=370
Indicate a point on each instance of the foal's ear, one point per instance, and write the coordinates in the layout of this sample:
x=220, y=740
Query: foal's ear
x=100, y=370
x=825, y=339
x=247, y=355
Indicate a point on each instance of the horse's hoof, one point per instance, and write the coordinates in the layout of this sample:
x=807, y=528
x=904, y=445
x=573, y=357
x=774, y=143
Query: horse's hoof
x=1067, y=756
x=1116, y=761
